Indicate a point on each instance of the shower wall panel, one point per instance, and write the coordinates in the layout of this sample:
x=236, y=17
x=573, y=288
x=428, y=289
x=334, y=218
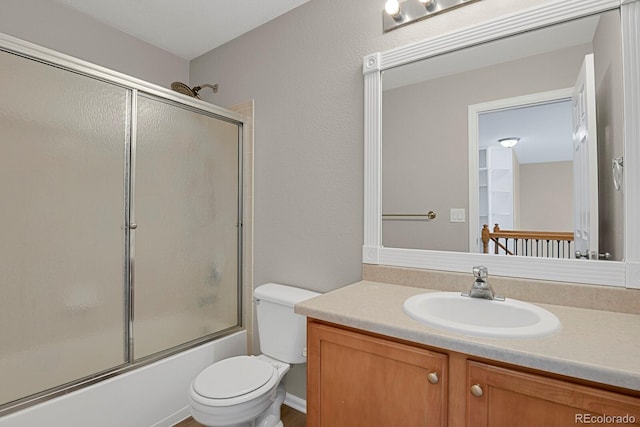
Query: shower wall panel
x=62, y=151
x=187, y=215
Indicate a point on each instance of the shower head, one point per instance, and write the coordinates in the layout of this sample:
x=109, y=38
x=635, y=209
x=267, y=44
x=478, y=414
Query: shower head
x=193, y=92
x=183, y=89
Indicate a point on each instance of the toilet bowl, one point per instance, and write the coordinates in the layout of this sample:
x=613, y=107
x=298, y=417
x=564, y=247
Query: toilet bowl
x=235, y=391
x=246, y=391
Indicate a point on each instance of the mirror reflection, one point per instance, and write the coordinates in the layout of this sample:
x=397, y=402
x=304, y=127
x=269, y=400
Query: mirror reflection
x=557, y=92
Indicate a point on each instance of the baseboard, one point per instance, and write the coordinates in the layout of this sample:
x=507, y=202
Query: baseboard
x=296, y=403
x=174, y=418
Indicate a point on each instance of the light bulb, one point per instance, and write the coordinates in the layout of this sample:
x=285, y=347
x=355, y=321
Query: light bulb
x=392, y=7
x=428, y=3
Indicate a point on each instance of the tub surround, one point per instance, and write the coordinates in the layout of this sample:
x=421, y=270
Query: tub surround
x=593, y=345
x=247, y=110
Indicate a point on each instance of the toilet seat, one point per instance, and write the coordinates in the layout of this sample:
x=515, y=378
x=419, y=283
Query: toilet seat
x=234, y=380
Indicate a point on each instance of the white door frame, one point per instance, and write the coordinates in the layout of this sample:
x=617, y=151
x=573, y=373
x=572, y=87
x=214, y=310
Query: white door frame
x=585, y=154
x=474, y=112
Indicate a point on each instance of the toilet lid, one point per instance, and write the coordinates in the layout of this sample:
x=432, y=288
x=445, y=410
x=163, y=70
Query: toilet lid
x=233, y=377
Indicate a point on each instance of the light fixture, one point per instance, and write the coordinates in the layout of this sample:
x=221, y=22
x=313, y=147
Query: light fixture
x=392, y=7
x=509, y=142
x=398, y=13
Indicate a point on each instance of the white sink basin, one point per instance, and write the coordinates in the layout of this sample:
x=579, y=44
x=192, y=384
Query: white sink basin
x=481, y=317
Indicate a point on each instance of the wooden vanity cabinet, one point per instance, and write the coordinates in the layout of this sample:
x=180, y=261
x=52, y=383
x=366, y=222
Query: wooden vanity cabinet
x=502, y=397
x=358, y=380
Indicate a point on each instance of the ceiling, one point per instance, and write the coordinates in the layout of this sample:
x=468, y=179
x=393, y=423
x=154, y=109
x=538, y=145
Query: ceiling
x=545, y=131
x=186, y=28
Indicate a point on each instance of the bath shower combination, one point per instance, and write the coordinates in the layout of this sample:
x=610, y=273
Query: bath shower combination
x=193, y=92
x=77, y=141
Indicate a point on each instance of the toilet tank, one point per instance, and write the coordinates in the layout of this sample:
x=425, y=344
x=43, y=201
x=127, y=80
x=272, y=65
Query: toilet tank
x=282, y=333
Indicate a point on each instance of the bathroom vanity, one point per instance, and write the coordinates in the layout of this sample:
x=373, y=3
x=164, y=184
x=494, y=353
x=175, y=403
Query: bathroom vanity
x=369, y=364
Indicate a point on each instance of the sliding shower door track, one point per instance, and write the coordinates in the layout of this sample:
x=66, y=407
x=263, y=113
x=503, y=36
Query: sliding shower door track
x=81, y=383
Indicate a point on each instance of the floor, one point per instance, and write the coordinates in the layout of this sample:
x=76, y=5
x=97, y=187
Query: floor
x=290, y=418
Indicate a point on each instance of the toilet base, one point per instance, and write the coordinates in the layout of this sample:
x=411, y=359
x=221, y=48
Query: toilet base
x=268, y=418
x=271, y=417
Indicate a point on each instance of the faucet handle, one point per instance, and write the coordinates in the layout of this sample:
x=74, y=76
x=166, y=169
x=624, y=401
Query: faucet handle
x=480, y=273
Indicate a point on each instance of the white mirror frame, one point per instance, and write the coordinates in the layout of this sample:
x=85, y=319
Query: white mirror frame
x=624, y=273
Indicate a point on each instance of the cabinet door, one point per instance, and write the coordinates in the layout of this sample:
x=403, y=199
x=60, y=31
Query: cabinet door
x=500, y=397
x=358, y=380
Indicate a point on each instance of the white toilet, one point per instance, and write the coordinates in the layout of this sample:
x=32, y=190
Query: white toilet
x=245, y=391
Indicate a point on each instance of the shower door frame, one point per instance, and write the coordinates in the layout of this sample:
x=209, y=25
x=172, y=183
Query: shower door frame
x=134, y=87
x=130, y=220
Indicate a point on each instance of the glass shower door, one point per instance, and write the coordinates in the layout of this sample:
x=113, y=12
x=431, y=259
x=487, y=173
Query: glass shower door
x=186, y=207
x=62, y=156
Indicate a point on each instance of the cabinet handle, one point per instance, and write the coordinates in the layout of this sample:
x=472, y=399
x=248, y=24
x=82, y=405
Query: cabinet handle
x=476, y=390
x=433, y=378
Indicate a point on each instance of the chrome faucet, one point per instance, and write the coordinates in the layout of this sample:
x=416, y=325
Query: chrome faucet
x=481, y=287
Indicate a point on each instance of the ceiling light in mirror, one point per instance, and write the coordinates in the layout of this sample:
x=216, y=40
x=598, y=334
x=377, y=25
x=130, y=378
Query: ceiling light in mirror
x=509, y=142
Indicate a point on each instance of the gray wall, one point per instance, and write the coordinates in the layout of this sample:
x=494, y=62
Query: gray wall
x=304, y=71
x=547, y=202
x=50, y=25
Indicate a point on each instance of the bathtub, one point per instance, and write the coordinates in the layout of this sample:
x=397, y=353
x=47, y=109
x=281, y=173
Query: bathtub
x=152, y=396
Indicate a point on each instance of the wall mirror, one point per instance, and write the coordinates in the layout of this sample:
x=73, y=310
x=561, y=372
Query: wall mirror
x=436, y=110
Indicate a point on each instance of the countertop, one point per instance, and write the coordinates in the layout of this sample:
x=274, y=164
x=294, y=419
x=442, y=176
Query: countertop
x=600, y=346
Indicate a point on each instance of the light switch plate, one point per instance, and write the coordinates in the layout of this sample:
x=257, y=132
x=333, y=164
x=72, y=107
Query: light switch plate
x=456, y=215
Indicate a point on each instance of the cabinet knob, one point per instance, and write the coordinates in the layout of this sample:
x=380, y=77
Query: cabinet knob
x=476, y=390
x=433, y=378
